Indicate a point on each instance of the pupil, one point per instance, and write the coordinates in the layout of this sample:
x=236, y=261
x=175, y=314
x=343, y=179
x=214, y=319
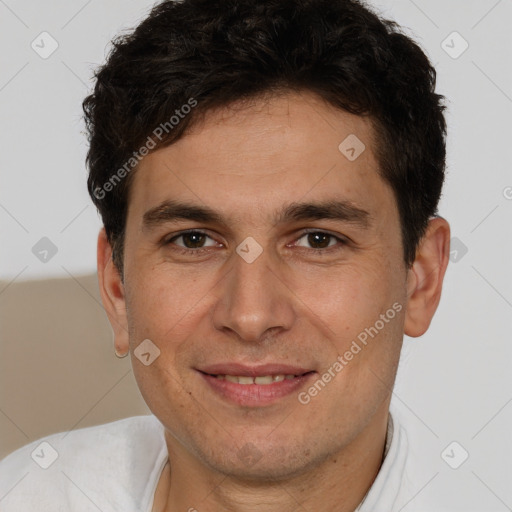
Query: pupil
x=193, y=240
x=320, y=240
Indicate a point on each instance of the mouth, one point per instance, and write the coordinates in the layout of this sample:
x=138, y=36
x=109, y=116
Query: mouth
x=263, y=380
x=254, y=386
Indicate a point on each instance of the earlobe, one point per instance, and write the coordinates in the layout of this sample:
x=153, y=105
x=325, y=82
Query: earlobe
x=112, y=295
x=425, y=277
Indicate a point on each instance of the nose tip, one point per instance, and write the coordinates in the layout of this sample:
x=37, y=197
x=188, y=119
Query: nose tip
x=252, y=304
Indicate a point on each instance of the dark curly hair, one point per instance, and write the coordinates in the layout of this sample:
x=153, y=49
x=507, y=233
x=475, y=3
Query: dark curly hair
x=203, y=54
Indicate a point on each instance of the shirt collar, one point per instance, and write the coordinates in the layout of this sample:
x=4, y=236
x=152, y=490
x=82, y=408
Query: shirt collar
x=386, y=486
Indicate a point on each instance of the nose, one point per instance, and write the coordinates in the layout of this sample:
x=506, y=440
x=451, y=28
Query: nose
x=254, y=301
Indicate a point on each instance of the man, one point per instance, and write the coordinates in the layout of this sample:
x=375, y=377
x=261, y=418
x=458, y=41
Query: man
x=268, y=175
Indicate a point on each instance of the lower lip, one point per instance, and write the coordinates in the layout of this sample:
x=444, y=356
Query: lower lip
x=256, y=395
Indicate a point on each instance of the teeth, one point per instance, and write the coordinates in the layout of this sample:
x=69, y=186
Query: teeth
x=261, y=380
x=267, y=379
x=245, y=380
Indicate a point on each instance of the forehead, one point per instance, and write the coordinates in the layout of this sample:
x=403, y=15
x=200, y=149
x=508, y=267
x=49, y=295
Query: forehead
x=252, y=157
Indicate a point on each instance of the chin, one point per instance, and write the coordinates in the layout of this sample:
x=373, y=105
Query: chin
x=260, y=463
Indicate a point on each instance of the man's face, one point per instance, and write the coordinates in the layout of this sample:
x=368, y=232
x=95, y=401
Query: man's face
x=297, y=294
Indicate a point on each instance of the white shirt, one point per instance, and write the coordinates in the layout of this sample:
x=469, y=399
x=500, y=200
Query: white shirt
x=116, y=467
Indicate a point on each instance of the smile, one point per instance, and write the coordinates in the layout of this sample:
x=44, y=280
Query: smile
x=263, y=380
x=255, y=387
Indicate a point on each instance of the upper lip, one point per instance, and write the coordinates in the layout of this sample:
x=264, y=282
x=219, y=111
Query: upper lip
x=253, y=371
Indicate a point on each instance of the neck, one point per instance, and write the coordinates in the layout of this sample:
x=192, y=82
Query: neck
x=339, y=483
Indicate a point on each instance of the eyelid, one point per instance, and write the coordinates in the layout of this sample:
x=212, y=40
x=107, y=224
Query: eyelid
x=325, y=231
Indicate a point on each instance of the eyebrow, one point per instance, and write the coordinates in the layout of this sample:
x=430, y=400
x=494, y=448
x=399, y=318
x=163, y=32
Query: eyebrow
x=171, y=211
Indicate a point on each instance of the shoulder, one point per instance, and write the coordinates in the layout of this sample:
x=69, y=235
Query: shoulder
x=106, y=466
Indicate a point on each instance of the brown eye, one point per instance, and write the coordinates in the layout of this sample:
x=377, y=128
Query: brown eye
x=318, y=240
x=192, y=240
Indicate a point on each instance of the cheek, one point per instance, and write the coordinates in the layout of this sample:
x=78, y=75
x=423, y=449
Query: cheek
x=364, y=309
x=348, y=298
x=167, y=308
x=365, y=314
x=163, y=313
x=160, y=300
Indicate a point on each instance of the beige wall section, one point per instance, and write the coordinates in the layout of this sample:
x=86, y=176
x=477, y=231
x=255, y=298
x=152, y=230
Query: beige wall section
x=58, y=370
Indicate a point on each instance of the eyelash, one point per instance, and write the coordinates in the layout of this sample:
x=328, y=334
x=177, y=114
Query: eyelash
x=199, y=251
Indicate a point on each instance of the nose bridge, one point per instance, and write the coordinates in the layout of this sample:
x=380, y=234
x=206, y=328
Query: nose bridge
x=253, y=300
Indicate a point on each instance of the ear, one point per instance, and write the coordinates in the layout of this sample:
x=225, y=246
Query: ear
x=425, y=277
x=112, y=295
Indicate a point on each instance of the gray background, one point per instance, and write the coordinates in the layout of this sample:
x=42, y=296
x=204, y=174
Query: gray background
x=455, y=382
